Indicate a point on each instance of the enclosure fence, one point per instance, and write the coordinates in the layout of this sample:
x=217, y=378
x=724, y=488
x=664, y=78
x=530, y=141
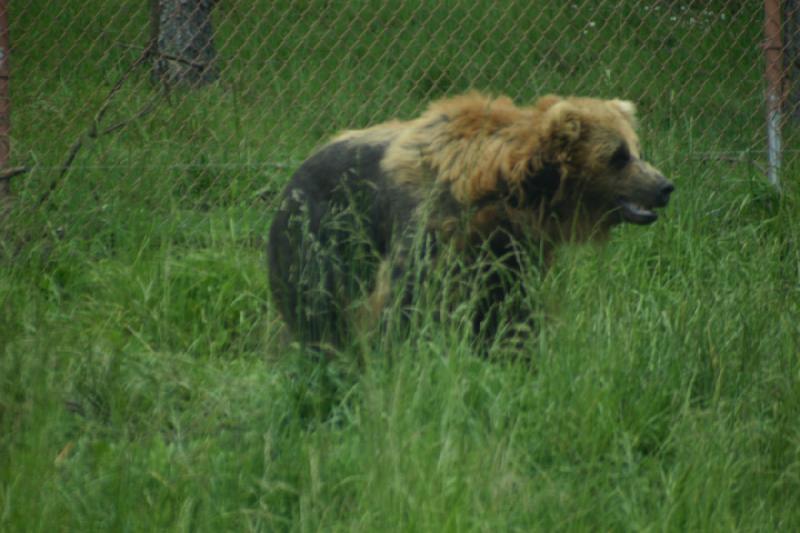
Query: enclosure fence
x=202, y=104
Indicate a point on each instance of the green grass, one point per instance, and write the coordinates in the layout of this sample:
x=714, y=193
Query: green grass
x=145, y=382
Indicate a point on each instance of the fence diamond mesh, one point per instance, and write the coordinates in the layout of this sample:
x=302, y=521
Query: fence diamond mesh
x=110, y=112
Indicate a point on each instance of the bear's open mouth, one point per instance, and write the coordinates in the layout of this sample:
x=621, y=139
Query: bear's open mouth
x=636, y=213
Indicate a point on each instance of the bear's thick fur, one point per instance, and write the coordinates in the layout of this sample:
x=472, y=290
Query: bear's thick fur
x=477, y=174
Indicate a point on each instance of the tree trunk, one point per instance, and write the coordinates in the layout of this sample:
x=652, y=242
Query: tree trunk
x=791, y=57
x=182, y=37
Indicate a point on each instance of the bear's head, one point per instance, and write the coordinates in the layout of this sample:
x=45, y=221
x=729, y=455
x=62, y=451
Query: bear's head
x=594, y=144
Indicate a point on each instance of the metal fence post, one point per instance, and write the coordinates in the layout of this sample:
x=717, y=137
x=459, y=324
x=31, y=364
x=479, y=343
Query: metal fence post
x=774, y=74
x=5, y=101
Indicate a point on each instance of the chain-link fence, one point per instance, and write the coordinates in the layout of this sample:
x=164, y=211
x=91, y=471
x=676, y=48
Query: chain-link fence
x=150, y=107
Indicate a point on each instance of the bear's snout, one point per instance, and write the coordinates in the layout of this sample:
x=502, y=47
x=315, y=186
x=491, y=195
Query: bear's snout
x=664, y=192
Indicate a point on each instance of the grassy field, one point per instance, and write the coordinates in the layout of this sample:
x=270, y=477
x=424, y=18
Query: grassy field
x=145, y=384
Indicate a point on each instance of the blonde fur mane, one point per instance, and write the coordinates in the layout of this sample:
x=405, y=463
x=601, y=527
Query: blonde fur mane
x=472, y=142
x=476, y=147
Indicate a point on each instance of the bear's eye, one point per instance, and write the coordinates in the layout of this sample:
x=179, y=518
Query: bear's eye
x=621, y=157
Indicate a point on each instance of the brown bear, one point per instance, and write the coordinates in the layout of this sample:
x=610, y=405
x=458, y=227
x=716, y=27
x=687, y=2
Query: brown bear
x=479, y=176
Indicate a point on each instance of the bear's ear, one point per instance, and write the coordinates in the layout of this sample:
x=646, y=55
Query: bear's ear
x=546, y=102
x=563, y=123
x=626, y=107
